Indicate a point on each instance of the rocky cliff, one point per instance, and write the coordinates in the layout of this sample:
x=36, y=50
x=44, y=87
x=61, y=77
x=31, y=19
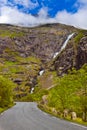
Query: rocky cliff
x=74, y=55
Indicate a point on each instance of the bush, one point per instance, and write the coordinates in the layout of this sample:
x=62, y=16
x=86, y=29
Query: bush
x=6, y=92
x=71, y=92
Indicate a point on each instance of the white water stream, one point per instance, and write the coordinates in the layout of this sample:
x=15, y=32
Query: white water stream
x=32, y=90
x=64, y=45
x=41, y=72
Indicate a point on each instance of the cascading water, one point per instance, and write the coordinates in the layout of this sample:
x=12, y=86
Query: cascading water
x=32, y=90
x=64, y=45
x=41, y=72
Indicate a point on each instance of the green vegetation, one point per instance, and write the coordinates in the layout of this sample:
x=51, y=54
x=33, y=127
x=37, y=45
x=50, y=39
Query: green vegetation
x=6, y=93
x=23, y=69
x=11, y=34
x=30, y=59
x=44, y=82
x=70, y=93
x=79, y=35
x=36, y=96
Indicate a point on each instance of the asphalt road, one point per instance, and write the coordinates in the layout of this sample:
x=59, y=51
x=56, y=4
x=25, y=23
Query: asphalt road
x=26, y=116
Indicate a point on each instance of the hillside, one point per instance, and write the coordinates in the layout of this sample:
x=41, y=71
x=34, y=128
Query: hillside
x=41, y=42
x=36, y=58
x=26, y=51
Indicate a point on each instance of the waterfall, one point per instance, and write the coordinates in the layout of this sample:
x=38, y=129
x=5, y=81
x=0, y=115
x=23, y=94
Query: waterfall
x=64, y=45
x=55, y=55
x=41, y=72
x=32, y=90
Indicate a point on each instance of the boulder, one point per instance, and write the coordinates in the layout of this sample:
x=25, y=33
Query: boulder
x=54, y=110
x=73, y=115
x=44, y=99
x=18, y=81
x=65, y=113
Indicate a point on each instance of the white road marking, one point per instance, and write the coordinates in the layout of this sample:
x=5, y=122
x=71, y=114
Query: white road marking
x=78, y=125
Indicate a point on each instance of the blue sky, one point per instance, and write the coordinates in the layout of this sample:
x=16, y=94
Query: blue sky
x=35, y=12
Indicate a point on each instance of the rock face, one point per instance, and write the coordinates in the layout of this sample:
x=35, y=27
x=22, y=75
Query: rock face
x=82, y=52
x=42, y=42
x=65, y=60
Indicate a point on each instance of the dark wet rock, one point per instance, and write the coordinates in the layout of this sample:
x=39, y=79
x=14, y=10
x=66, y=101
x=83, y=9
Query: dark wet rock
x=21, y=95
x=18, y=81
x=81, y=58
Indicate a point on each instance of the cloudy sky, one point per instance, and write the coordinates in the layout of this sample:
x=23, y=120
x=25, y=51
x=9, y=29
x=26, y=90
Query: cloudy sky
x=35, y=12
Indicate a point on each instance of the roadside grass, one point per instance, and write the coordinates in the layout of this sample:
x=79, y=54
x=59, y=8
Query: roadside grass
x=68, y=118
x=2, y=109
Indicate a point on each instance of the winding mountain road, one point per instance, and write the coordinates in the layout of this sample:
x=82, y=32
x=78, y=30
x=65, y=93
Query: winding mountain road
x=26, y=116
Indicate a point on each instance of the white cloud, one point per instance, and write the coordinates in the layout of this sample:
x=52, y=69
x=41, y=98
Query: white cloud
x=79, y=19
x=13, y=16
x=81, y=4
x=2, y=2
x=43, y=13
x=82, y=1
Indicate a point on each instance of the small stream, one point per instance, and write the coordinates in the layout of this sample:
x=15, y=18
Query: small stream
x=41, y=72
